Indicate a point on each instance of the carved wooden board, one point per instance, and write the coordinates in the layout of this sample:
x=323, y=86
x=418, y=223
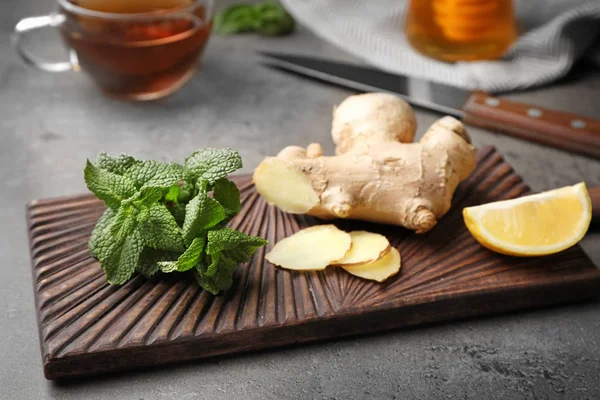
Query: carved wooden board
x=89, y=327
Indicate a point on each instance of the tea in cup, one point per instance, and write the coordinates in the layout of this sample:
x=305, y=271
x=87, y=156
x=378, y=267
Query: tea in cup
x=133, y=49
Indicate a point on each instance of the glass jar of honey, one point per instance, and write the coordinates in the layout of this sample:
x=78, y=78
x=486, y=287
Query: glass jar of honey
x=461, y=30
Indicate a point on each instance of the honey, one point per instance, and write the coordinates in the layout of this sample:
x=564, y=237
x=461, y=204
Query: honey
x=461, y=30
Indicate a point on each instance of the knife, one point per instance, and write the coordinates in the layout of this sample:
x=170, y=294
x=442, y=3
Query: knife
x=558, y=129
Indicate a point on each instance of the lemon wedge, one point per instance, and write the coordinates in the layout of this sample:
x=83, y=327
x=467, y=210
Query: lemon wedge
x=536, y=225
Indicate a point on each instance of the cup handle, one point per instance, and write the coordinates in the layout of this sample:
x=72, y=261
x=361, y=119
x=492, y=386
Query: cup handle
x=32, y=23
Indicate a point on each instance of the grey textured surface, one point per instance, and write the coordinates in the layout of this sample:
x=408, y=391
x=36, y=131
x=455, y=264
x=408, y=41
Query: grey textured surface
x=49, y=124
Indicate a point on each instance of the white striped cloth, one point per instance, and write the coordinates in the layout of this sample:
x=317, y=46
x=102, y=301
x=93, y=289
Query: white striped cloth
x=555, y=34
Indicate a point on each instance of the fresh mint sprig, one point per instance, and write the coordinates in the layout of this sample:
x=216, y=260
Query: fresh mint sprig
x=169, y=217
x=268, y=18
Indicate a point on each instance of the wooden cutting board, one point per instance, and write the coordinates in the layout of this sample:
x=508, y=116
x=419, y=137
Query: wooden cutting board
x=89, y=327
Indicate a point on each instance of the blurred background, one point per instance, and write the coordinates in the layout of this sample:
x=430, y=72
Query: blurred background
x=50, y=123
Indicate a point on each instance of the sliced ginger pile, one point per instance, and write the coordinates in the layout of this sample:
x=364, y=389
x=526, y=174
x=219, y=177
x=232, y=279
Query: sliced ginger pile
x=363, y=254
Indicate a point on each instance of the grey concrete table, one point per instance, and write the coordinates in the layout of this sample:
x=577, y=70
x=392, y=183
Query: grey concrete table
x=49, y=124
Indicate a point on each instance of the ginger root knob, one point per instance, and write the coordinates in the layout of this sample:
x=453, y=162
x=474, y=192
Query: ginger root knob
x=378, y=174
x=372, y=117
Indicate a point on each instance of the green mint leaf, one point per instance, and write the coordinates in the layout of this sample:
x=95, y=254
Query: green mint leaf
x=117, y=165
x=213, y=267
x=276, y=28
x=172, y=195
x=220, y=262
x=108, y=186
x=267, y=18
x=149, y=259
x=207, y=283
x=124, y=222
x=241, y=254
x=226, y=249
x=186, y=192
x=167, y=266
x=221, y=15
x=120, y=257
x=201, y=213
x=235, y=19
x=274, y=20
x=241, y=25
x=202, y=185
x=146, y=197
x=215, y=262
x=159, y=230
x=221, y=280
x=188, y=260
x=178, y=212
x=100, y=230
x=119, y=251
x=227, y=193
x=212, y=164
x=227, y=239
x=155, y=174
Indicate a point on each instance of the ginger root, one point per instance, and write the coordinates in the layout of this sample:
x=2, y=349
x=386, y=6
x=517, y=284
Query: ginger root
x=377, y=175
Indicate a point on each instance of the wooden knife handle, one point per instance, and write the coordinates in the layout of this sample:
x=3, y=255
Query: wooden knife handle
x=595, y=196
x=558, y=129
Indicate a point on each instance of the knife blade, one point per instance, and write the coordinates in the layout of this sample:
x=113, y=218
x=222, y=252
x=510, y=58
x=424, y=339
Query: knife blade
x=558, y=129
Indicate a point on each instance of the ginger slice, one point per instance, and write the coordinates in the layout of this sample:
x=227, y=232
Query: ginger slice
x=311, y=249
x=367, y=247
x=280, y=183
x=379, y=270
